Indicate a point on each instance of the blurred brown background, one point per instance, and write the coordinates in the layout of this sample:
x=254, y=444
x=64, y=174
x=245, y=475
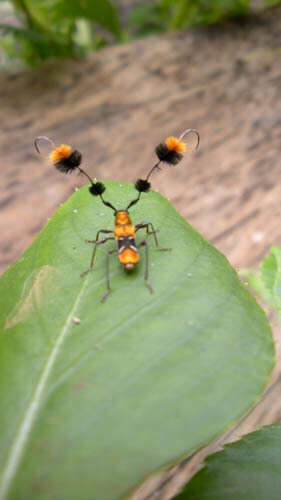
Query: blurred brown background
x=118, y=104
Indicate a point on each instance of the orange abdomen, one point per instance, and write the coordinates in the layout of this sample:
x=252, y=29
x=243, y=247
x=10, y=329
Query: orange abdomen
x=128, y=257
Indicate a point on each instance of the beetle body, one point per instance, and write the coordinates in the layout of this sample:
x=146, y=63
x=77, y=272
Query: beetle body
x=67, y=160
x=125, y=234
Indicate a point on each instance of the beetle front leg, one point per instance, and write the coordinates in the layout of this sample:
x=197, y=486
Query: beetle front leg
x=97, y=235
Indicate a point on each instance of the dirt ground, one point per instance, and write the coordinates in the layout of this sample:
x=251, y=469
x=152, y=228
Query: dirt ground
x=117, y=105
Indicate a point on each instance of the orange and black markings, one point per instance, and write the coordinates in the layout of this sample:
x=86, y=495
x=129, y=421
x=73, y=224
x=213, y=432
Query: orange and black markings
x=60, y=153
x=64, y=159
x=125, y=237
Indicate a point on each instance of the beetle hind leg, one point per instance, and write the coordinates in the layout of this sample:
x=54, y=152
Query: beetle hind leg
x=144, y=243
x=108, y=289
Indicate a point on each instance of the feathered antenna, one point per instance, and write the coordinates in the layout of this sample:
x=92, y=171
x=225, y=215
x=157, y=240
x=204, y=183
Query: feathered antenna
x=171, y=152
x=62, y=157
x=67, y=160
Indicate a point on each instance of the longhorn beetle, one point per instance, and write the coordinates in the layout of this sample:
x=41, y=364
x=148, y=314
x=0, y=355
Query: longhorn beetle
x=124, y=232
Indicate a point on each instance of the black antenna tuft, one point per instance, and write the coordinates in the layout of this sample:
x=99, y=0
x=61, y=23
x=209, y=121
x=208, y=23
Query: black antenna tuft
x=142, y=185
x=166, y=155
x=97, y=188
x=67, y=165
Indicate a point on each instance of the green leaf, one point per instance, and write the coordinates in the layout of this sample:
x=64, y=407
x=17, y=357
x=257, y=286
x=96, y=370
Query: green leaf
x=91, y=409
x=102, y=12
x=266, y=281
x=248, y=469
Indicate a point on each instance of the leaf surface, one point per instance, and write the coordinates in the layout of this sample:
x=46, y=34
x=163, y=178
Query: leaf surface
x=266, y=281
x=91, y=409
x=103, y=12
x=246, y=470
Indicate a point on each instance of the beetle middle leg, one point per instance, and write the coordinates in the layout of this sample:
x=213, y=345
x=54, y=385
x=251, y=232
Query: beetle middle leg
x=97, y=242
x=150, y=230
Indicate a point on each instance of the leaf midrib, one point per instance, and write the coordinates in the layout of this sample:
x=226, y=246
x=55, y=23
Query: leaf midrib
x=19, y=442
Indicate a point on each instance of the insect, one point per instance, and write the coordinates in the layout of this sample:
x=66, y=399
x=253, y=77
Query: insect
x=124, y=232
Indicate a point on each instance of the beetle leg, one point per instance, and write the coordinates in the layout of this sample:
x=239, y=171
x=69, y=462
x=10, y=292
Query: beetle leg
x=153, y=231
x=96, y=243
x=97, y=235
x=144, y=243
x=108, y=289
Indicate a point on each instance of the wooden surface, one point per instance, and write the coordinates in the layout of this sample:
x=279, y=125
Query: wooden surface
x=117, y=105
